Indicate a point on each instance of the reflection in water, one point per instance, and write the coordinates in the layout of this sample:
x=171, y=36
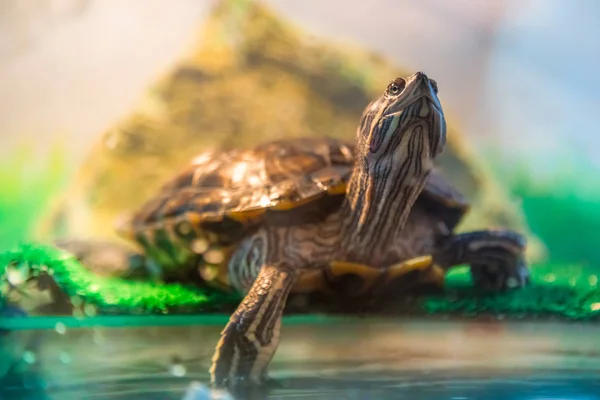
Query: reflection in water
x=357, y=359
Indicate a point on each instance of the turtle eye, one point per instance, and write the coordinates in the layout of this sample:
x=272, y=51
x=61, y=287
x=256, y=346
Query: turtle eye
x=396, y=87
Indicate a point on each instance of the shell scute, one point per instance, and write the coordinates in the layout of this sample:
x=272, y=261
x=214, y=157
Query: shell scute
x=242, y=185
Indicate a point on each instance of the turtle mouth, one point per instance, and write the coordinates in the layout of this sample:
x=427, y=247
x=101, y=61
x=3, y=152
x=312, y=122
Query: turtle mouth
x=423, y=93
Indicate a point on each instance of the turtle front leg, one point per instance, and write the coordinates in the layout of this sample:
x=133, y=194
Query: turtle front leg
x=251, y=337
x=496, y=258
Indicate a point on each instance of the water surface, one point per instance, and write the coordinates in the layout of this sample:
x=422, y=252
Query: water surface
x=361, y=358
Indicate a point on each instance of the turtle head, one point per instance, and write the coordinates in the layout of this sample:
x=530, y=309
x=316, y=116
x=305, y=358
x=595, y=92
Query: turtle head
x=399, y=136
x=405, y=124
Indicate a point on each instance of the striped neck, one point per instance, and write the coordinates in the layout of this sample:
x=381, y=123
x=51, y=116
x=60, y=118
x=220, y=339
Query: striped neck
x=379, y=200
x=398, y=137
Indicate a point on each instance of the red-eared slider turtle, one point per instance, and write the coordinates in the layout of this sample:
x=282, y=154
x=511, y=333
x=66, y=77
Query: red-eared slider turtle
x=303, y=215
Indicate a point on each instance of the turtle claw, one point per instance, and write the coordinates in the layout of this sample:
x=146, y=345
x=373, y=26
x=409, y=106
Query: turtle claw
x=496, y=258
x=497, y=278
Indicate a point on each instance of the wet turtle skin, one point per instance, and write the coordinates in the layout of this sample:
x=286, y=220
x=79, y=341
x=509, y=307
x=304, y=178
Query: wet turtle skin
x=312, y=215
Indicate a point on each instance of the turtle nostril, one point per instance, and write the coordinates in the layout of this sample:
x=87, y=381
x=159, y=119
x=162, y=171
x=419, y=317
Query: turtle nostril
x=434, y=85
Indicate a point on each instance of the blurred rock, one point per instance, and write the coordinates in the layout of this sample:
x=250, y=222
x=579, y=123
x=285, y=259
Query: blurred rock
x=251, y=77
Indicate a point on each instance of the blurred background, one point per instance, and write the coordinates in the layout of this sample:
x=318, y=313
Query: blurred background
x=98, y=96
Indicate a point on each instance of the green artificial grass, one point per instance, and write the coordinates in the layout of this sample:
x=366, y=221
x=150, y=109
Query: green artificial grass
x=106, y=295
x=570, y=294
x=556, y=290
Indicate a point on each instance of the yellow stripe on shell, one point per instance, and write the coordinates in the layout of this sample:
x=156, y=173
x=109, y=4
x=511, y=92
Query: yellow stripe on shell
x=337, y=189
x=450, y=202
x=431, y=273
x=436, y=275
x=310, y=281
x=414, y=264
x=368, y=274
x=195, y=219
x=291, y=204
x=246, y=216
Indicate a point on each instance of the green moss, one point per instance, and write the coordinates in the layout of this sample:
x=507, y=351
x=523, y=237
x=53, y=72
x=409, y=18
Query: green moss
x=562, y=291
x=567, y=291
x=107, y=295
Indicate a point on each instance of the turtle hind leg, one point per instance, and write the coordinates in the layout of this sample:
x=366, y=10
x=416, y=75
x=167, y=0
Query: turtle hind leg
x=251, y=337
x=496, y=258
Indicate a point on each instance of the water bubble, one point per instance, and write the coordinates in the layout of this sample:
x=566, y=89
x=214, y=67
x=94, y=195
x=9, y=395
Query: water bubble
x=29, y=357
x=64, y=357
x=177, y=370
x=76, y=301
x=550, y=278
x=593, y=280
x=90, y=310
x=94, y=288
x=595, y=306
x=15, y=277
x=78, y=313
x=60, y=328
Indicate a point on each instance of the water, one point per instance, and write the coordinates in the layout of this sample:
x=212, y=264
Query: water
x=360, y=358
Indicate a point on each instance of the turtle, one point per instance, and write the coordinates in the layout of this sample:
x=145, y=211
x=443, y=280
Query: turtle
x=304, y=215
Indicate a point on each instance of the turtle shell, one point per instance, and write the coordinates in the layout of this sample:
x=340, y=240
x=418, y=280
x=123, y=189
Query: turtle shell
x=222, y=194
x=441, y=198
